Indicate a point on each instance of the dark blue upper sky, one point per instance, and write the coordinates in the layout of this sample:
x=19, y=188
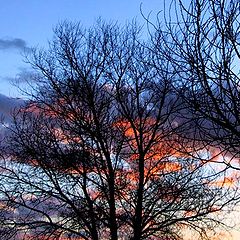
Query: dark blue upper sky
x=28, y=23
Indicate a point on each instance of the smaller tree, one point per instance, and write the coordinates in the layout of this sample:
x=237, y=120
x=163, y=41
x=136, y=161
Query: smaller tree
x=202, y=48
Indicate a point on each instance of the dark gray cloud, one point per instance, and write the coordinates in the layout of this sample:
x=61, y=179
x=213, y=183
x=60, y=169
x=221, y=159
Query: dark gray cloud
x=7, y=105
x=13, y=43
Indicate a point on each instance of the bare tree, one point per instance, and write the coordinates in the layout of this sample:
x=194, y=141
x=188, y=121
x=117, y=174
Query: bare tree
x=98, y=153
x=201, y=42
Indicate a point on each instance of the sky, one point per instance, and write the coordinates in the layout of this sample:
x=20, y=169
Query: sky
x=29, y=23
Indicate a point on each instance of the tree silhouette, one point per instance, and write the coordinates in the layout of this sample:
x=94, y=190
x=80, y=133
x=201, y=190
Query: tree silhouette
x=98, y=151
x=202, y=48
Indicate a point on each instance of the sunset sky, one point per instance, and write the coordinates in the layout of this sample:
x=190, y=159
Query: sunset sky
x=29, y=23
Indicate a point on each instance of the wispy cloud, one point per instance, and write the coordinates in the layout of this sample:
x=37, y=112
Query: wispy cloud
x=13, y=43
x=24, y=75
